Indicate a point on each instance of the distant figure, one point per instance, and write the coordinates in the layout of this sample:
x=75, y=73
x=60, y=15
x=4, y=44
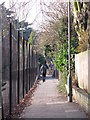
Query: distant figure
x=43, y=70
x=50, y=68
x=53, y=74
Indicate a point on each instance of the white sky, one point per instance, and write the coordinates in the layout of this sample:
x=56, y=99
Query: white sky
x=33, y=9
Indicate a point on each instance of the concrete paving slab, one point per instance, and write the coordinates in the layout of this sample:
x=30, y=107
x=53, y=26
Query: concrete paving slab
x=47, y=102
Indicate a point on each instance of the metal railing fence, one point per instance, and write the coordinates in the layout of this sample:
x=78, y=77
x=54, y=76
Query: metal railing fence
x=19, y=66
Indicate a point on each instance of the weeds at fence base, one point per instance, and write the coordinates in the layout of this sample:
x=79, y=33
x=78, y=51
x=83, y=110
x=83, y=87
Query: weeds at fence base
x=26, y=101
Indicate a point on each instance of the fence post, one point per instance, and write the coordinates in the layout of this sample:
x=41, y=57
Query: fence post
x=29, y=67
x=26, y=70
x=32, y=68
x=1, y=39
x=36, y=64
x=10, y=73
x=37, y=67
x=18, y=67
x=23, y=65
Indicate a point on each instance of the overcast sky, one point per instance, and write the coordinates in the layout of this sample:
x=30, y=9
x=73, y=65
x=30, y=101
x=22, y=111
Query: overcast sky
x=33, y=9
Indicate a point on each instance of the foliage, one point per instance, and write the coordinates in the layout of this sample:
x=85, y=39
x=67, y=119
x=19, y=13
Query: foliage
x=41, y=59
x=32, y=37
x=54, y=40
x=47, y=49
x=61, y=55
x=83, y=43
x=62, y=83
x=26, y=33
x=81, y=22
x=59, y=51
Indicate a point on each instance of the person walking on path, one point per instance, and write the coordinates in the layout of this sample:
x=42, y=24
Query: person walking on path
x=43, y=70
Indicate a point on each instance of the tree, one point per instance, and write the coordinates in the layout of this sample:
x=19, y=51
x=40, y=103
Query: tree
x=32, y=38
x=54, y=37
x=81, y=20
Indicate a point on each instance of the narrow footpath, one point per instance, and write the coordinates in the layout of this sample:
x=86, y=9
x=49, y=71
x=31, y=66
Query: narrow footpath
x=47, y=102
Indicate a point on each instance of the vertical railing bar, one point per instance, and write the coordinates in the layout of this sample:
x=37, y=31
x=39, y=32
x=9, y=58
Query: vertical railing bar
x=18, y=67
x=10, y=73
x=29, y=66
x=2, y=116
x=23, y=65
x=36, y=63
x=26, y=70
x=32, y=68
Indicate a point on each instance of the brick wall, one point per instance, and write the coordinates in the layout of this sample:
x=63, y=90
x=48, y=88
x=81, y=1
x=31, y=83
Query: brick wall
x=82, y=98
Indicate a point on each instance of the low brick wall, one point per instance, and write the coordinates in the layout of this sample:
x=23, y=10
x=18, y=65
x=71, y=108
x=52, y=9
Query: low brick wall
x=82, y=98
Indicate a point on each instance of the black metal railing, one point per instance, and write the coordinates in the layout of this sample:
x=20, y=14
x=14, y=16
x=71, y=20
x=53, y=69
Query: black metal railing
x=19, y=69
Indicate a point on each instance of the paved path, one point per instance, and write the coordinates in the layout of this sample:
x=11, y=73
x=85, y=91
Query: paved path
x=49, y=103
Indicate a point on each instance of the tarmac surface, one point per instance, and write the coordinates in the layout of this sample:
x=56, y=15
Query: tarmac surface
x=47, y=102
